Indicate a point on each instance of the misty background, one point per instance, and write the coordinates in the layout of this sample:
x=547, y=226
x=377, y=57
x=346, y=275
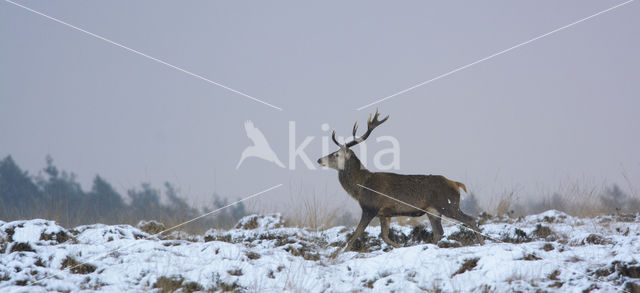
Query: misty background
x=556, y=116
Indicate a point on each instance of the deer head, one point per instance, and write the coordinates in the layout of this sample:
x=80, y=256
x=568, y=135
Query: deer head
x=338, y=159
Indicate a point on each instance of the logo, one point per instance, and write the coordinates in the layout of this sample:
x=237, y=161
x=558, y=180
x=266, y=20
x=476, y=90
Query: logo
x=262, y=150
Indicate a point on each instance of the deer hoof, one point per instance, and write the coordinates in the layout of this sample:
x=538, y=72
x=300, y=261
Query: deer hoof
x=391, y=243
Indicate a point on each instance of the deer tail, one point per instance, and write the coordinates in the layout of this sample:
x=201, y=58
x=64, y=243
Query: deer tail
x=461, y=185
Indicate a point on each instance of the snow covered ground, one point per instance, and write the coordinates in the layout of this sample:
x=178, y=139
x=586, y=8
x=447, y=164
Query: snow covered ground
x=549, y=252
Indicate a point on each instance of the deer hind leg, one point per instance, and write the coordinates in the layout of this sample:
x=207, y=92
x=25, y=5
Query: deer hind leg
x=367, y=216
x=436, y=225
x=470, y=222
x=384, y=232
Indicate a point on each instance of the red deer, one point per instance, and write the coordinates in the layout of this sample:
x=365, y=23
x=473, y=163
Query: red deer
x=414, y=194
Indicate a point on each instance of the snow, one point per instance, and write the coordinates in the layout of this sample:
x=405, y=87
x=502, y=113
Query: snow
x=30, y=231
x=260, y=254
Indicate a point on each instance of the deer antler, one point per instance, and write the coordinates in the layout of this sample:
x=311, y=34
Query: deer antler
x=371, y=125
x=333, y=136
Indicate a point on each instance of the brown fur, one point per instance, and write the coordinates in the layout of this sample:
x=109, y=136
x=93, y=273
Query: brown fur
x=416, y=193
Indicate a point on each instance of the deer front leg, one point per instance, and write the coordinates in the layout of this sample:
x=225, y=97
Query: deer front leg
x=384, y=232
x=436, y=227
x=367, y=216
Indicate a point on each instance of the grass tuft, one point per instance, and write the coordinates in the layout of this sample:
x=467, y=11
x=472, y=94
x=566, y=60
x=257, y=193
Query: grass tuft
x=77, y=267
x=467, y=265
x=22, y=246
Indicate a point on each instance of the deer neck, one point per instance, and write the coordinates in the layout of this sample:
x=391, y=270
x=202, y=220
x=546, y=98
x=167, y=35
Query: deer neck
x=354, y=173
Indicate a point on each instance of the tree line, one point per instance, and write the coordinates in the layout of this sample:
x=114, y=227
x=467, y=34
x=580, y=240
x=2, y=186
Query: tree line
x=56, y=195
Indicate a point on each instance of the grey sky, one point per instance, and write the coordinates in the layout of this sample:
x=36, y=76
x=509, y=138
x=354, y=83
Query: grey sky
x=562, y=108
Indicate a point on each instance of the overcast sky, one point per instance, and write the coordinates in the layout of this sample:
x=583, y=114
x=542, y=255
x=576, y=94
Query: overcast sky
x=562, y=108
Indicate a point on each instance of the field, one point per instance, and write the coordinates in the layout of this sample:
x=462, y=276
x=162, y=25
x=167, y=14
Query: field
x=550, y=251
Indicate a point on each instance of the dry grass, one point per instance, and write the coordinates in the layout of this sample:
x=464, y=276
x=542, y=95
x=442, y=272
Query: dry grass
x=76, y=267
x=505, y=204
x=314, y=214
x=306, y=205
x=176, y=284
x=581, y=197
x=320, y=209
x=467, y=265
x=310, y=208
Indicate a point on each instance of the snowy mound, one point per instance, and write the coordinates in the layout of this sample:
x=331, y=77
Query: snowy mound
x=35, y=231
x=550, y=251
x=549, y=216
x=99, y=233
x=268, y=221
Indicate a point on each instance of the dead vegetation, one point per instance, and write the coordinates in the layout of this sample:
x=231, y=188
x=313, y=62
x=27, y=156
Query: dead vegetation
x=544, y=232
x=151, y=227
x=168, y=284
x=467, y=265
x=580, y=197
x=59, y=237
x=556, y=284
x=249, y=224
x=176, y=283
x=418, y=235
x=278, y=238
x=631, y=270
x=554, y=275
x=10, y=231
x=4, y=276
x=305, y=246
x=483, y=218
x=595, y=239
x=464, y=236
x=228, y=287
x=445, y=243
x=368, y=283
x=312, y=212
x=217, y=285
x=252, y=255
x=518, y=236
x=235, y=272
x=77, y=267
x=218, y=237
x=39, y=263
x=632, y=287
x=548, y=247
x=531, y=256
x=366, y=242
x=304, y=250
x=268, y=221
x=22, y=246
